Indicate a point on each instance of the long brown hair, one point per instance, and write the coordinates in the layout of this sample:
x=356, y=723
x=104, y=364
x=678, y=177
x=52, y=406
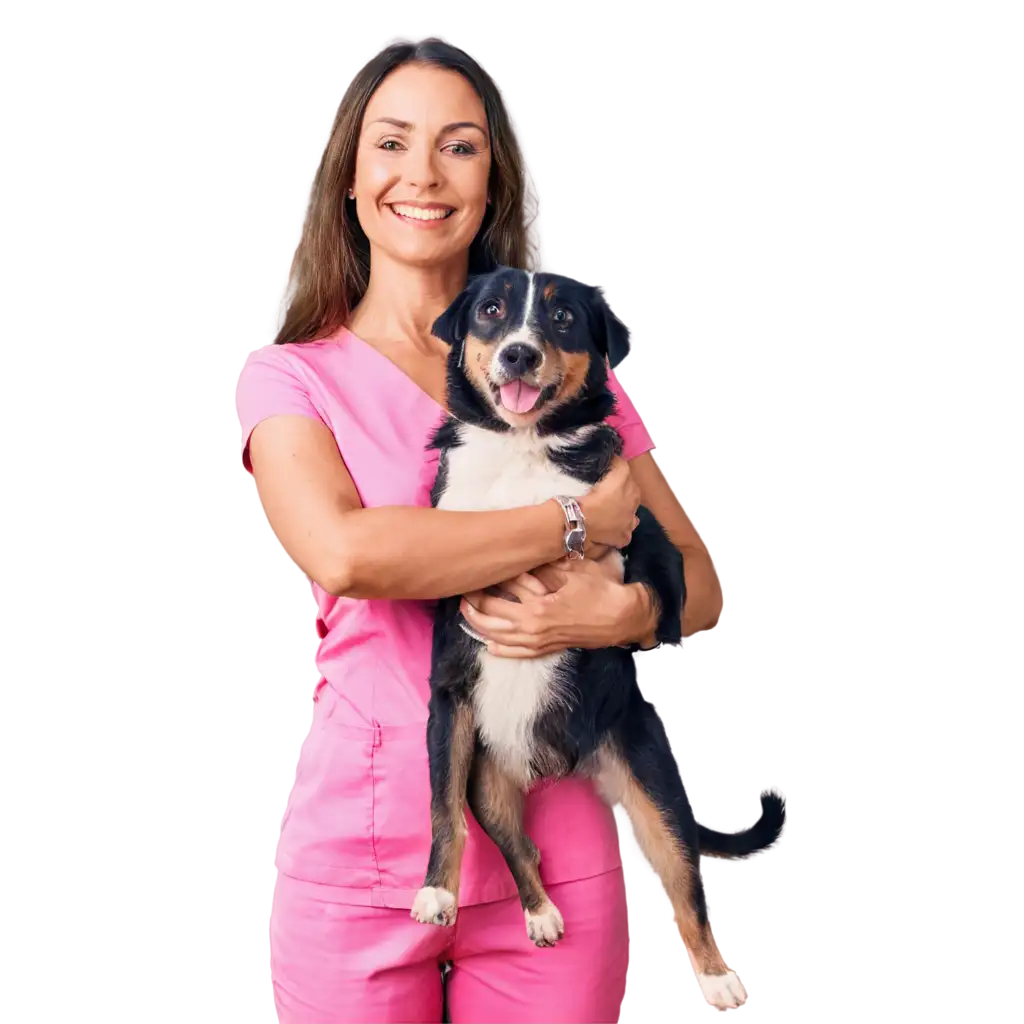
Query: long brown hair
x=331, y=267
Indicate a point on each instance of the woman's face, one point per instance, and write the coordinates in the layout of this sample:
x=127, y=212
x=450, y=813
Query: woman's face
x=422, y=166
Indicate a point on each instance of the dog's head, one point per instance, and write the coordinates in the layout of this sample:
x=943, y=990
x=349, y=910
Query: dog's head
x=530, y=349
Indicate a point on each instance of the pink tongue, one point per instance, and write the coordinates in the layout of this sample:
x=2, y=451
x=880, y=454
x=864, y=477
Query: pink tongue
x=519, y=397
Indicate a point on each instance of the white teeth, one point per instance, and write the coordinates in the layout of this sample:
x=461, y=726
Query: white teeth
x=416, y=213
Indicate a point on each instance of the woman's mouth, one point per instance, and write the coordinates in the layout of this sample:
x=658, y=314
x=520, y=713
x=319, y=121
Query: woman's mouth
x=421, y=215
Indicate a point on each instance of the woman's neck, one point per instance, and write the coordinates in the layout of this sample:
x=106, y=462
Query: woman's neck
x=403, y=301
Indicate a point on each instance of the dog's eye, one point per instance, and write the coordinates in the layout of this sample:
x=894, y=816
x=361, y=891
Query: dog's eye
x=492, y=308
x=562, y=318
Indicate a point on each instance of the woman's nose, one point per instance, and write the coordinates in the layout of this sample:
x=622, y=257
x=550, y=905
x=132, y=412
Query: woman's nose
x=421, y=168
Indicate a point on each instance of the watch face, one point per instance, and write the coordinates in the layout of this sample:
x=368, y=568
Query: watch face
x=574, y=539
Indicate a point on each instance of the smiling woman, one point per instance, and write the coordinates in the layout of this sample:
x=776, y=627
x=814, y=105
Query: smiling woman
x=420, y=185
x=413, y=171
x=424, y=111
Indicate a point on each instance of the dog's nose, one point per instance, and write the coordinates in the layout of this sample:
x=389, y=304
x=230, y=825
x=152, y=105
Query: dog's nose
x=519, y=359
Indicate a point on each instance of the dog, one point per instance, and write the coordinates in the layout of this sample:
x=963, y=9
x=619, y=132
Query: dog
x=527, y=399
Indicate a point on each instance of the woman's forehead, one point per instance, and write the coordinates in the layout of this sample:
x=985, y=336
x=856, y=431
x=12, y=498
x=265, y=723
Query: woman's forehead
x=417, y=96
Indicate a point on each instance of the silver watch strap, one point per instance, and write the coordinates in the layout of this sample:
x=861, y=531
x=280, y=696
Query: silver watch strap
x=575, y=526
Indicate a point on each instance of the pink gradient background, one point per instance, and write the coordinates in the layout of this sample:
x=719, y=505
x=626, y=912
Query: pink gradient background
x=153, y=645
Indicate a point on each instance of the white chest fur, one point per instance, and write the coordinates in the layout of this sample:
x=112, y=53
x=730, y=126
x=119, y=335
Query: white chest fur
x=491, y=471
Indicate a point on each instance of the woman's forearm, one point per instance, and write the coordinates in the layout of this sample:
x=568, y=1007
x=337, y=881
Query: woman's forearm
x=409, y=553
x=639, y=617
x=403, y=552
x=703, y=591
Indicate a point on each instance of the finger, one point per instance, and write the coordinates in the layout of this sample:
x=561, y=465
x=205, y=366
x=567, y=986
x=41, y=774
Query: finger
x=527, y=587
x=485, y=623
x=530, y=581
x=552, y=577
x=515, y=651
x=501, y=607
x=526, y=630
x=505, y=651
x=474, y=597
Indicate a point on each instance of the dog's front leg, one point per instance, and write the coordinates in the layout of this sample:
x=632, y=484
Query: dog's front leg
x=451, y=737
x=497, y=803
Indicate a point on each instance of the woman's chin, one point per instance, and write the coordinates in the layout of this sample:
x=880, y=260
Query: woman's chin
x=426, y=255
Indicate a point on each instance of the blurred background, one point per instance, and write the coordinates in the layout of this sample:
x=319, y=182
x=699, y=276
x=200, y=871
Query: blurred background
x=809, y=215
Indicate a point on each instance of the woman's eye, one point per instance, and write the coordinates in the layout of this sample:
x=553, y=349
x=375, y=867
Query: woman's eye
x=461, y=149
x=390, y=145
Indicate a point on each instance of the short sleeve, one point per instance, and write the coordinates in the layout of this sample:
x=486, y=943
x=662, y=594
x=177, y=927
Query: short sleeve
x=625, y=419
x=269, y=385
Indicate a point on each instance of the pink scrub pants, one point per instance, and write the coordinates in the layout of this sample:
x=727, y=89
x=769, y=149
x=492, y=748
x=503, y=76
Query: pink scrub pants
x=333, y=962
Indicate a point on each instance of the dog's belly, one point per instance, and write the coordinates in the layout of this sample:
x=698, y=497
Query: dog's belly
x=486, y=472
x=491, y=471
x=508, y=697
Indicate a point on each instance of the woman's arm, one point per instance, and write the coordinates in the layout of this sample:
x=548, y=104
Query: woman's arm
x=578, y=605
x=703, y=590
x=401, y=552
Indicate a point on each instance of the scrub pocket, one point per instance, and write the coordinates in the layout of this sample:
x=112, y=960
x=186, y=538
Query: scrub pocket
x=327, y=829
x=401, y=804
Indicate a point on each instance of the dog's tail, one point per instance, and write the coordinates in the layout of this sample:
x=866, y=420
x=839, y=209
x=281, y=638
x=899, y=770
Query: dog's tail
x=733, y=845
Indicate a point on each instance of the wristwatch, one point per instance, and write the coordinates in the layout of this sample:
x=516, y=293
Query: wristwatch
x=575, y=526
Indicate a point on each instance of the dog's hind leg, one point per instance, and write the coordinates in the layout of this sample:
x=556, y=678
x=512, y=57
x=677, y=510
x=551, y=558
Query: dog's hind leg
x=637, y=780
x=497, y=803
x=451, y=737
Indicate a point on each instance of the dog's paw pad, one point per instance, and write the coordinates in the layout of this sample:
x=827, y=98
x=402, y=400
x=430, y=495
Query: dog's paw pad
x=545, y=927
x=434, y=906
x=724, y=991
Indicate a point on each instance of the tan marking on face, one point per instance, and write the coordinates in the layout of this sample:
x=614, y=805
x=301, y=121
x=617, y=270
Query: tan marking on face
x=573, y=369
x=477, y=358
x=549, y=291
x=669, y=859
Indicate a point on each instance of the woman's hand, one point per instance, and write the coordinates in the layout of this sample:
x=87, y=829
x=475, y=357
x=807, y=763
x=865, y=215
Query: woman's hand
x=566, y=604
x=609, y=509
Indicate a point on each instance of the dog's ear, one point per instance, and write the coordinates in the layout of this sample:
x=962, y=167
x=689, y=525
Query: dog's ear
x=612, y=335
x=450, y=326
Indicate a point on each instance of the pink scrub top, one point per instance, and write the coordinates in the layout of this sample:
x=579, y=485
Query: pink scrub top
x=358, y=816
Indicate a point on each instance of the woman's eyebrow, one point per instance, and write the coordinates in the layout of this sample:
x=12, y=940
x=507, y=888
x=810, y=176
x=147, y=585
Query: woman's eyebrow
x=406, y=126
x=462, y=124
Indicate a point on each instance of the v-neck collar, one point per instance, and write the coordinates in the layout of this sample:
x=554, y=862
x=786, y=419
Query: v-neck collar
x=397, y=369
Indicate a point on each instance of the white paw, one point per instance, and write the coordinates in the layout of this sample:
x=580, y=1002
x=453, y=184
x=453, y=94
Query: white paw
x=725, y=991
x=546, y=926
x=434, y=906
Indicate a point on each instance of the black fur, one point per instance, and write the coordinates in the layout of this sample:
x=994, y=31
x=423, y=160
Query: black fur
x=604, y=708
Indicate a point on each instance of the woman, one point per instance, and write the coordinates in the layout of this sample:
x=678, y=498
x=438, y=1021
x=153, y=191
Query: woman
x=422, y=183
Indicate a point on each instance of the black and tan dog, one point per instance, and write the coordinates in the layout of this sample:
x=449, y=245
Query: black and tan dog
x=527, y=402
